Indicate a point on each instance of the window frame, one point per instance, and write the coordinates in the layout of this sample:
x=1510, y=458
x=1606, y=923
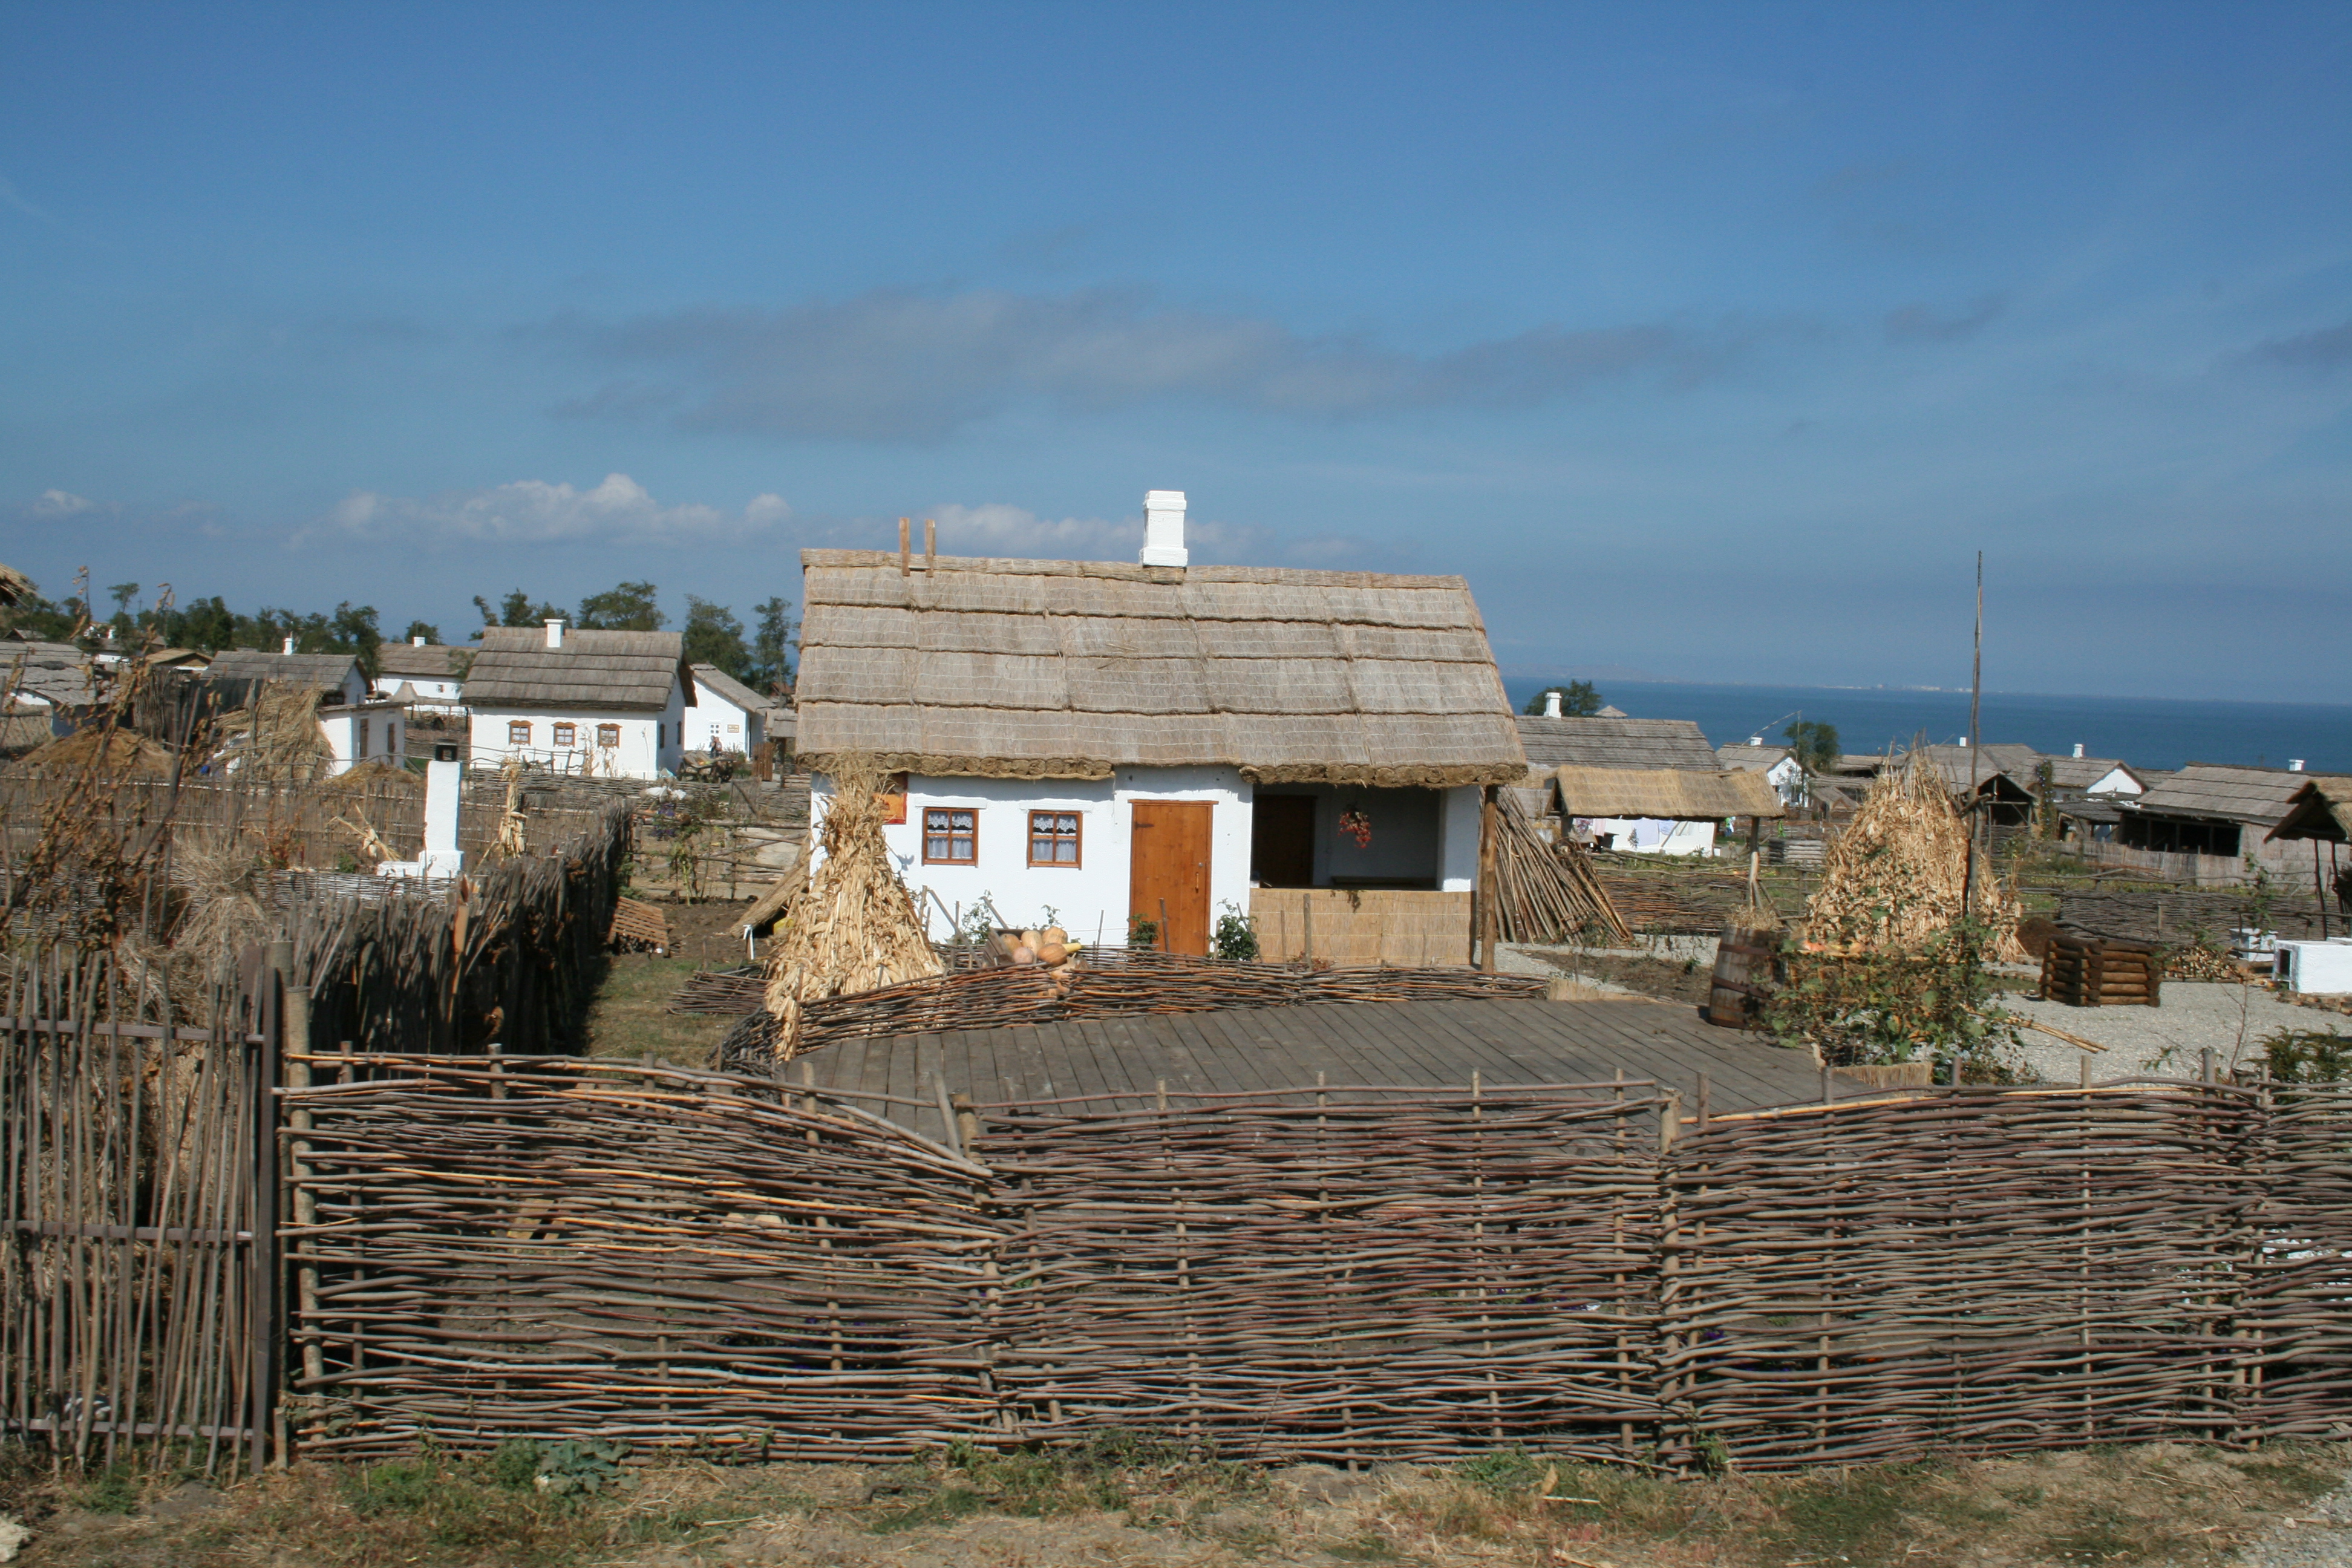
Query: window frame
x=951, y=836
x=567, y=733
x=1076, y=838
x=608, y=736
x=518, y=732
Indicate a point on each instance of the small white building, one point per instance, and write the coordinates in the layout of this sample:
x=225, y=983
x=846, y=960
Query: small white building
x=726, y=715
x=1777, y=763
x=335, y=677
x=365, y=731
x=596, y=703
x=51, y=679
x=357, y=726
x=1660, y=810
x=422, y=672
x=1090, y=743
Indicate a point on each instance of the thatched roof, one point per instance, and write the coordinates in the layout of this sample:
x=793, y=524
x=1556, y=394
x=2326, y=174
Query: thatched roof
x=320, y=672
x=434, y=661
x=1679, y=794
x=2081, y=773
x=1762, y=759
x=2002, y=771
x=56, y=672
x=2320, y=809
x=727, y=689
x=14, y=586
x=604, y=671
x=1072, y=669
x=2257, y=797
x=1598, y=742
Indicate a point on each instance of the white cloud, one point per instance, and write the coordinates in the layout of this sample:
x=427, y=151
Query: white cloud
x=533, y=512
x=996, y=527
x=61, y=503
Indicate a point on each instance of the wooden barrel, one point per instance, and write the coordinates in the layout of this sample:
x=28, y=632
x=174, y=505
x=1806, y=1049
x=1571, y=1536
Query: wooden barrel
x=1743, y=975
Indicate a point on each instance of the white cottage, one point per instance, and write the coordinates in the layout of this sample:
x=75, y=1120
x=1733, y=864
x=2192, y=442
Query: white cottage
x=1094, y=744
x=726, y=715
x=422, y=672
x=357, y=726
x=608, y=704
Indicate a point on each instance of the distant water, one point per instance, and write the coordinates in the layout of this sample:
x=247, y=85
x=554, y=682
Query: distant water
x=2150, y=731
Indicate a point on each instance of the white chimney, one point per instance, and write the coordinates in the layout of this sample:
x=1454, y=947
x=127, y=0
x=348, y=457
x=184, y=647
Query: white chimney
x=417, y=642
x=555, y=633
x=289, y=644
x=1755, y=739
x=1163, y=529
x=1964, y=743
x=2294, y=764
x=1552, y=704
x=2078, y=748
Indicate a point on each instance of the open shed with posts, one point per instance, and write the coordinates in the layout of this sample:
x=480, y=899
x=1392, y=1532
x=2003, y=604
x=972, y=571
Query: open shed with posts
x=1662, y=811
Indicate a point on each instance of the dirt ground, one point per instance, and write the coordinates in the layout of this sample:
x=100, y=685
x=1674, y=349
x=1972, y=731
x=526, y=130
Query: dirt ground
x=630, y=1017
x=1125, y=1502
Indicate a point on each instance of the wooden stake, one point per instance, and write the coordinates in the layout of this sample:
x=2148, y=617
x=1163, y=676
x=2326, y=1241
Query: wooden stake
x=904, y=524
x=930, y=545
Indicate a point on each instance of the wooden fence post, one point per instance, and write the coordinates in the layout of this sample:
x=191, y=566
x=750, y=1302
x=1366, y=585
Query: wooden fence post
x=1487, y=921
x=266, y=1305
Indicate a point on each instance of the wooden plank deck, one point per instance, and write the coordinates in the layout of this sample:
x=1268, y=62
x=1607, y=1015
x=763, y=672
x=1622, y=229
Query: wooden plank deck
x=1431, y=1045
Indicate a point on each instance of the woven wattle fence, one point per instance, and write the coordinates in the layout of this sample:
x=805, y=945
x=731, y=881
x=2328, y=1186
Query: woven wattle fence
x=554, y=1247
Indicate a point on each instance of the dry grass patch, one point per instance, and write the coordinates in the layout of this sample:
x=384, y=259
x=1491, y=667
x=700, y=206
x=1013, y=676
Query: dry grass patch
x=1123, y=1501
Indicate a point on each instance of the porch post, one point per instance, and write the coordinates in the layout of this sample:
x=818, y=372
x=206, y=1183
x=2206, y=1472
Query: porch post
x=1485, y=913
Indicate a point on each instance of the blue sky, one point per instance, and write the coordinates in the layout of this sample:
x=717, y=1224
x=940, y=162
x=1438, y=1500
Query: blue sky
x=1708, y=342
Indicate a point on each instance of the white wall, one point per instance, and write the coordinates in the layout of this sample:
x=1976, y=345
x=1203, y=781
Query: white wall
x=363, y=734
x=1458, y=835
x=1089, y=898
x=737, y=728
x=1651, y=836
x=2115, y=780
x=649, y=744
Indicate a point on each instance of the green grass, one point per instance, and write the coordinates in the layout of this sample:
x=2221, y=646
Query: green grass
x=628, y=1017
x=1856, y=1518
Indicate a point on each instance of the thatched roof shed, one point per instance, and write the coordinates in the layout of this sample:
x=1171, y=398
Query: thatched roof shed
x=1071, y=669
x=593, y=672
x=2251, y=796
x=1598, y=742
x=2320, y=809
x=57, y=673
x=238, y=672
x=718, y=683
x=1670, y=794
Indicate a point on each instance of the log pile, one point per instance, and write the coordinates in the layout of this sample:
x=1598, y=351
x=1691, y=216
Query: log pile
x=2093, y=971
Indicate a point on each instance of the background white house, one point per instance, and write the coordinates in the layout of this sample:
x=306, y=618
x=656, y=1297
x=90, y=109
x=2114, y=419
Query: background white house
x=421, y=672
x=611, y=704
x=725, y=710
x=357, y=726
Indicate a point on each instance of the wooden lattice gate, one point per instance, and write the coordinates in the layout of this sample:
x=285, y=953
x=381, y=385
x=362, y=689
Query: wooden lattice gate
x=139, y=1295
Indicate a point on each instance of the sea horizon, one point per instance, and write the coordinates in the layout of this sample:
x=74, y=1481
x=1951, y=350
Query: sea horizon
x=2162, y=732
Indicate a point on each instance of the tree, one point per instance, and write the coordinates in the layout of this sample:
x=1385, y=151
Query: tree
x=773, y=644
x=355, y=631
x=1577, y=700
x=1814, y=745
x=713, y=635
x=425, y=629
x=517, y=610
x=625, y=607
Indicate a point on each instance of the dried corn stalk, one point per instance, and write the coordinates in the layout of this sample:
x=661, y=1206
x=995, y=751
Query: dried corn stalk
x=854, y=927
x=1894, y=879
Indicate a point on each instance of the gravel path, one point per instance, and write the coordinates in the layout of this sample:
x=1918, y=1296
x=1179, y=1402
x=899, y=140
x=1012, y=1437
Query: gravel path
x=2229, y=1020
x=2318, y=1535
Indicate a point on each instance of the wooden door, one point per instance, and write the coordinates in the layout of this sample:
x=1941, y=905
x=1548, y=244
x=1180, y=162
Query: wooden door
x=1282, y=841
x=1169, y=867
